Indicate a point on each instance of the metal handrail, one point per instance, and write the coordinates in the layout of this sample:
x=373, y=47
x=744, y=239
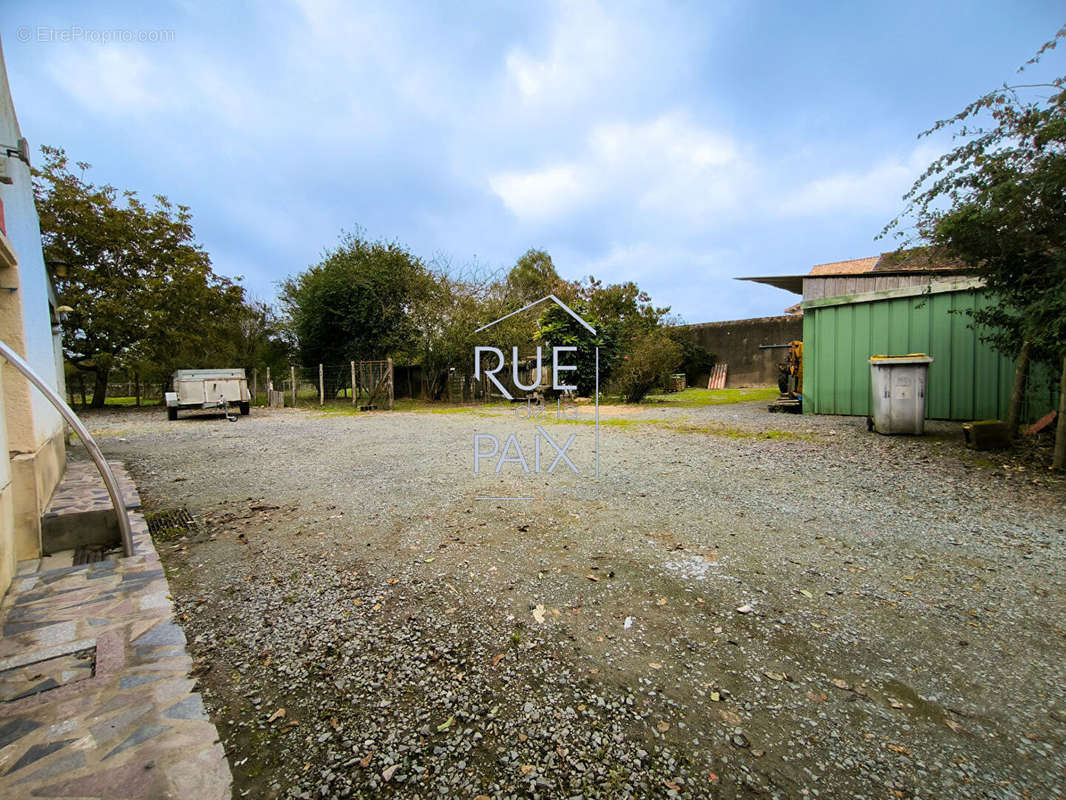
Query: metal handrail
x=90, y=444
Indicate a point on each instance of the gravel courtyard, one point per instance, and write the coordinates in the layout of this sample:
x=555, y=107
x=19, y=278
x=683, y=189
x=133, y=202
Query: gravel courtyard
x=755, y=605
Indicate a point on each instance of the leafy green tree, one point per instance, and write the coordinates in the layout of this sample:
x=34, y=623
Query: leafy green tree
x=445, y=315
x=355, y=304
x=559, y=329
x=624, y=307
x=193, y=321
x=532, y=277
x=997, y=202
x=142, y=289
x=260, y=341
x=621, y=313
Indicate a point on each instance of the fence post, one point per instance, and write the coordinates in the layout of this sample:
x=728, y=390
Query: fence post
x=321, y=387
x=292, y=377
x=255, y=384
x=269, y=384
x=391, y=382
x=355, y=400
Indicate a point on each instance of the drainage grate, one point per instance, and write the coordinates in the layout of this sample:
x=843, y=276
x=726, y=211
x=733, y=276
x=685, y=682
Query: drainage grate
x=166, y=525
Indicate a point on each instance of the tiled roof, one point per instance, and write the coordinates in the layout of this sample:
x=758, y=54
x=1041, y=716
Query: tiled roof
x=852, y=267
x=918, y=259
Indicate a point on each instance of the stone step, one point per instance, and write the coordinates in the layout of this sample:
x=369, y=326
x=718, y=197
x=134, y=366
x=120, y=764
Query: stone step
x=80, y=512
x=96, y=700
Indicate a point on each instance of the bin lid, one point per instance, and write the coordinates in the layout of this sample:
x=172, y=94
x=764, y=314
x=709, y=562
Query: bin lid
x=910, y=358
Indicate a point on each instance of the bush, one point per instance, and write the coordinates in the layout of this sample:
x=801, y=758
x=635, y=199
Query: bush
x=650, y=364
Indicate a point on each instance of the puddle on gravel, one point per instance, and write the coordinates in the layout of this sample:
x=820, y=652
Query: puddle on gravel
x=697, y=568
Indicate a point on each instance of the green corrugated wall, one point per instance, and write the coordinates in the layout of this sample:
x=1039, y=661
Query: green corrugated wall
x=967, y=380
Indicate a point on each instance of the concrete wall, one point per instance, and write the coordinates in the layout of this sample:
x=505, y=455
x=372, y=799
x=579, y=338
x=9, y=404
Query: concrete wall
x=736, y=343
x=33, y=449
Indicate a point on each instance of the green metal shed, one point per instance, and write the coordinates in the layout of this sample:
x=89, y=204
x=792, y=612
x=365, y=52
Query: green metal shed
x=968, y=379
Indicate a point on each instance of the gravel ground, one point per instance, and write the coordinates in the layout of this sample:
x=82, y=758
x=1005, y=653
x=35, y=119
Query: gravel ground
x=755, y=605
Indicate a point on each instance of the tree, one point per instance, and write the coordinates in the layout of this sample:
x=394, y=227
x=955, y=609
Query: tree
x=559, y=329
x=997, y=202
x=142, y=289
x=259, y=340
x=621, y=313
x=355, y=304
x=193, y=319
x=532, y=277
x=448, y=310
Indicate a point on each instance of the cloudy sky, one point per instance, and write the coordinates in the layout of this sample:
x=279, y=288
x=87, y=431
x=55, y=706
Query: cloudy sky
x=675, y=144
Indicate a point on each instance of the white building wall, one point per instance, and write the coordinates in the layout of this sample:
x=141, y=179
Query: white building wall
x=32, y=446
x=24, y=233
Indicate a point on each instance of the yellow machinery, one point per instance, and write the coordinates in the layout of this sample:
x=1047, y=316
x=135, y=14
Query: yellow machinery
x=790, y=377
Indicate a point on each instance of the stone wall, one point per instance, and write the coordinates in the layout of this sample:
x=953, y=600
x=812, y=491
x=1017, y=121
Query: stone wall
x=736, y=342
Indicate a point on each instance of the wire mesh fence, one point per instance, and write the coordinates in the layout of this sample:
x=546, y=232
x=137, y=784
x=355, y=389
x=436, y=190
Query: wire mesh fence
x=126, y=389
x=359, y=384
x=363, y=384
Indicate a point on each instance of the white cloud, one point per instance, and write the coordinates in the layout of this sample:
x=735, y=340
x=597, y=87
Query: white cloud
x=665, y=168
x=585, y=47
x=875, y=189
x=541, y=194
x=110, y=79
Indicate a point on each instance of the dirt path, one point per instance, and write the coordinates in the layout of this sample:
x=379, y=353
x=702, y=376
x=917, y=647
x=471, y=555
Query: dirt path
x=754, y=605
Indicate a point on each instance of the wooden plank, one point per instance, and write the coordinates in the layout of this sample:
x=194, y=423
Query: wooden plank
x=1041, y=423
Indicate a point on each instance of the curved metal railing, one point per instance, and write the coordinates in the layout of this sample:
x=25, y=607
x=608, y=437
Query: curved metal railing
x=83, y=433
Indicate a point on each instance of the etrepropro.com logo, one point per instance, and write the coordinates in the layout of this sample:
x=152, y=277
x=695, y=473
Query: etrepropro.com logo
x=539, y=445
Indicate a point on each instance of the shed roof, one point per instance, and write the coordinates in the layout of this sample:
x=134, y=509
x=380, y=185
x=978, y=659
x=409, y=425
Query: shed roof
x=854, y=266
x=916, y=259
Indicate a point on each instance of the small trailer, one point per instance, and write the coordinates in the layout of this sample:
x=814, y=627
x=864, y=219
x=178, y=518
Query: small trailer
x=208, y=388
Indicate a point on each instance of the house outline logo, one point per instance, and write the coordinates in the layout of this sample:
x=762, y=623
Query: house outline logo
x=596, y=424
x=555, y=300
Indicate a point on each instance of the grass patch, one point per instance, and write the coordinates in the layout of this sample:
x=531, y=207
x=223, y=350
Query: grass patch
x=740, y=433
x=697, y=398
x=689, y=398
x=410, y=406
x=462, y=409
x=706, y=429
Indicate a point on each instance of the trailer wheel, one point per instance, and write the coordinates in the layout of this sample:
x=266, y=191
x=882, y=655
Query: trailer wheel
x=172, y=413
x=245, y=409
